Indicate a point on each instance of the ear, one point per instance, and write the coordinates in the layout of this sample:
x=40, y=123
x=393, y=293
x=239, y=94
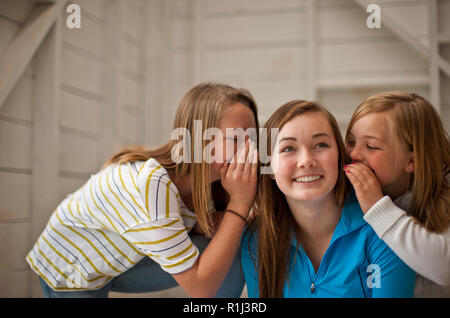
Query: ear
x=410, y=165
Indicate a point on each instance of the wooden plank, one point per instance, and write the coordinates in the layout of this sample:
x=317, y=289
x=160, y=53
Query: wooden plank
x=15, y=196
x=78, y=154
x=128, y=126
x=69, y=185
x=277, y=63
x=410, y=39
x=346, y=23
x=238, y=31
x=435, y=94
x=234, y=7
x=81, y=72
x=374, y=81
x=15, y=244
x=88, y=37
x=156, y=72
x=15, y=145
x=198, y=41
x=368, y=57
x=17, y=10
x=114, y=72
x=80, y=113
x=95, y=8
x=8, y=31
x=15, y=283
x=312, y=49
x=132, y=23
x=19, y=103
x=20, y=51
x=44, y=184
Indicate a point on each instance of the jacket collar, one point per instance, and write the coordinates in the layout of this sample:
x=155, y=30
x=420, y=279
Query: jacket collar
x=350, y=220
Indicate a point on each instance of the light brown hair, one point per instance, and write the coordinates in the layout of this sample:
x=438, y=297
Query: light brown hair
x=416, y=124
x=205, y=102
x=274, y=221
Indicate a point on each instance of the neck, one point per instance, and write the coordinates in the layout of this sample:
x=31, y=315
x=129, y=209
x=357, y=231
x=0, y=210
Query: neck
x=398, y=188
x=316, y=219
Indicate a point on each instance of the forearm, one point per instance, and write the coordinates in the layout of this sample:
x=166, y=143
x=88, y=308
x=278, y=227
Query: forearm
x=426, y=253
x=206, y=276
x=215, y=261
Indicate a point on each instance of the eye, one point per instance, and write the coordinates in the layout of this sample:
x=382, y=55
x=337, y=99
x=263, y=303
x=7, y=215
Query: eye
x=321, y=145
x=287, y=149
x=372, y=148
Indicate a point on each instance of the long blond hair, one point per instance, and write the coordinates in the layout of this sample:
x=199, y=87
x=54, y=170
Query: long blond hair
x=416, y=124
x=205, y=102
x=274, y=221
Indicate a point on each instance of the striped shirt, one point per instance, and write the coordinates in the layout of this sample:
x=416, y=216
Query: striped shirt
x=120, y=215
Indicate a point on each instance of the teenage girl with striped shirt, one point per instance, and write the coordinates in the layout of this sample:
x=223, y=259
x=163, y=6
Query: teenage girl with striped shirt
x=130, y=227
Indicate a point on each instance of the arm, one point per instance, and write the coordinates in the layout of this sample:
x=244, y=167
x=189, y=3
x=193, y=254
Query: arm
x=239, y=180
x=217, y=218
x=427, y=253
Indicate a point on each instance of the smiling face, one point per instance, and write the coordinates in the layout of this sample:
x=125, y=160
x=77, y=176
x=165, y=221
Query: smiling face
x=305, y=158
x=371, y=142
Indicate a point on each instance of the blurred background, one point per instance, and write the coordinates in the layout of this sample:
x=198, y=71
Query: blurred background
x=70, y=97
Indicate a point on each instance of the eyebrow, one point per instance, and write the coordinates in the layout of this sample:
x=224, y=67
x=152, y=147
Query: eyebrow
x=288, y=138
x=372, y=137
x=318, y=135
x=366, y=136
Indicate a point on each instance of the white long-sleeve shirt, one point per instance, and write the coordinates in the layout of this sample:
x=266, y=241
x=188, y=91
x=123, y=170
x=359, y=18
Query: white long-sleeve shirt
x=428, y=254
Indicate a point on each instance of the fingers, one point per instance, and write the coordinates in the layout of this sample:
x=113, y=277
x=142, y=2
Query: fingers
x=366, y=185
x=352, y=178
x=240, y=158
x=254, y=162
x=359, y=174
x=244, y=163
x=251, y=158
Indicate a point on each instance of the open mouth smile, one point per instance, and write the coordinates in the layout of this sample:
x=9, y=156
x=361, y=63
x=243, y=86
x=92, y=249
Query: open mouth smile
x=308, y=179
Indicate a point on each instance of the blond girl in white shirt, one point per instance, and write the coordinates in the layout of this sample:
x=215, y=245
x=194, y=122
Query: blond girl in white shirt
x=400, y=171
x=130, y=227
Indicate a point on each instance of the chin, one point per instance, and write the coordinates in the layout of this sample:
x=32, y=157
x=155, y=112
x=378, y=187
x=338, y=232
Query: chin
x=312, y=195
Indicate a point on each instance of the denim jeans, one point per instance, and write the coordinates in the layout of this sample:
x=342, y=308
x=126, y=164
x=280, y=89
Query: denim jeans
x=147, y=276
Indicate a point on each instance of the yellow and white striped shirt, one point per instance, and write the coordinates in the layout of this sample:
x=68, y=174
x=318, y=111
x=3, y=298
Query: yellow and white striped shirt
x=122, y=214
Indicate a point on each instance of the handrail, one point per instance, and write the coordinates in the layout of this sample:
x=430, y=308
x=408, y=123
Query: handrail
x=20, y=51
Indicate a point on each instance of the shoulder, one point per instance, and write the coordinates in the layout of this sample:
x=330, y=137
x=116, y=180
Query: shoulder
x=152, y=175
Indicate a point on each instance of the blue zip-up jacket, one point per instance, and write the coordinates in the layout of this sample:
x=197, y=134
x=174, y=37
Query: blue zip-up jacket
x=356, y=264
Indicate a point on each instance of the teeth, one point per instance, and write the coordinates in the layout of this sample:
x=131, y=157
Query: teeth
x=307, y=179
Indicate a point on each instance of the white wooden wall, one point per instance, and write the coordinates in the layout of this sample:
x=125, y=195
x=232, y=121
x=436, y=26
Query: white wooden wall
x=266, y=46
x=121, y=76
x=102, y=93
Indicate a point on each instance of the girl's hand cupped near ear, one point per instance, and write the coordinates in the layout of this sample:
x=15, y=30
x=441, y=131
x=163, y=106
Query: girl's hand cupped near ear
x=239, y=177
x=367, y=188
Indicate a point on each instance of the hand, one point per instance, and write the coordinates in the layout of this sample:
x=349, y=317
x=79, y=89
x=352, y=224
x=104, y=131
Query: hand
x=239, y=177
x=367, y=188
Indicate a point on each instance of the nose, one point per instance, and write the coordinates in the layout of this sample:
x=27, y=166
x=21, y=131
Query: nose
x=306, y=160
x=355, y=154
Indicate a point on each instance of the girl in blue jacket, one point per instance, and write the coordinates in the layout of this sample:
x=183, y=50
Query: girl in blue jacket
x=309, y=238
